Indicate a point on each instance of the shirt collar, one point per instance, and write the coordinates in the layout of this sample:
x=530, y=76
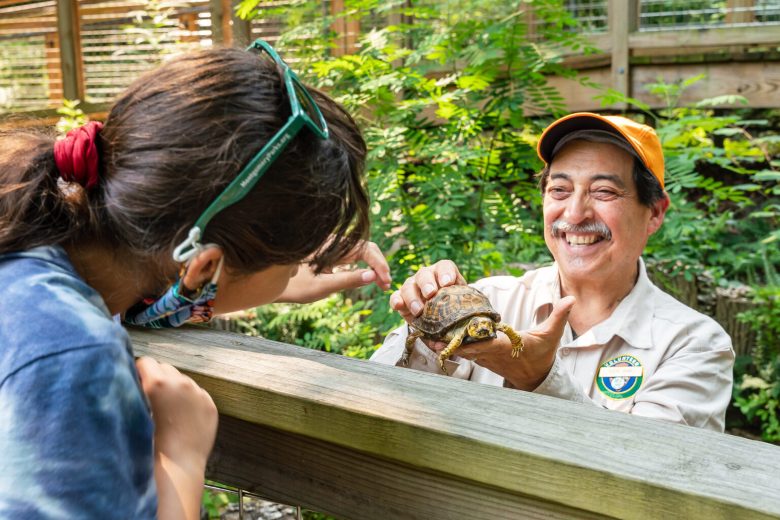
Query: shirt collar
x=628, y=320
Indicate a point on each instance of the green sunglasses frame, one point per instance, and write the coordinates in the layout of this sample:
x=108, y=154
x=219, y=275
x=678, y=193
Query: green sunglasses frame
x=255, y=168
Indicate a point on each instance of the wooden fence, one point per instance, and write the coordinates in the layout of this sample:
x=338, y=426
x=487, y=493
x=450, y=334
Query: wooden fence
x=91, y=49
x=359, y=440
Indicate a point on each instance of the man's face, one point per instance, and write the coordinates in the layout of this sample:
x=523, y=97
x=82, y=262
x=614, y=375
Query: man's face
x=594, y=225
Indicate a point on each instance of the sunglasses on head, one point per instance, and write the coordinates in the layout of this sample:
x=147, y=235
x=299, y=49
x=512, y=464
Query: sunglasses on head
x=304, y=113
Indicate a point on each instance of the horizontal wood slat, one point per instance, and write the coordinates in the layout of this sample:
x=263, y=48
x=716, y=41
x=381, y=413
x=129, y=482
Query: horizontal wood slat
x=537, y=449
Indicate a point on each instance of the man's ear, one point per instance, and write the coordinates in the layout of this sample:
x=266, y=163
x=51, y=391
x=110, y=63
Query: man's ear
x=202, y=267
x=657, y=213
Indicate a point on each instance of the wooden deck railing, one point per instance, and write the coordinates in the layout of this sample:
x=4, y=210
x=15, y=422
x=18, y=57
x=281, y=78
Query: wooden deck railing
x=359, y=440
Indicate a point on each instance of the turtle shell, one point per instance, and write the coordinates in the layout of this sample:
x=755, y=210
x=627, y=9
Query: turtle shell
x=451, y=305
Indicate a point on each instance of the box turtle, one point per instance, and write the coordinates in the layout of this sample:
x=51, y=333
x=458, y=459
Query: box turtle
x=458, y=314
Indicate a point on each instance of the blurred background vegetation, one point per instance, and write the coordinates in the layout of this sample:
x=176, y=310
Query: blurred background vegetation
x=452, y=96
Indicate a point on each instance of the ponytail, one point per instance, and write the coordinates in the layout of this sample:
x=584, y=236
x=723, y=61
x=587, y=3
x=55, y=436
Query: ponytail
x=35, y=209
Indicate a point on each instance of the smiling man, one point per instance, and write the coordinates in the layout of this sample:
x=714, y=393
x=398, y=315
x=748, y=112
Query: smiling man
x=595, y=329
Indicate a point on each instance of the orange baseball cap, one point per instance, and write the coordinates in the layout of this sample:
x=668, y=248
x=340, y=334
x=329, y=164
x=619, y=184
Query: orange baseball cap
x=642, y=138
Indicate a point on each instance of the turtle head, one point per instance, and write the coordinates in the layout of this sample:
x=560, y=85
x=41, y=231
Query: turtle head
x=481, y=327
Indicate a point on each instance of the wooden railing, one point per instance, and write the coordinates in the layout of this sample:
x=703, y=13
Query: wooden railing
x=359, y=440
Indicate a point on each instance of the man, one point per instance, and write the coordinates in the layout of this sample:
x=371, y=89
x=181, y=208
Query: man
x=595, y=329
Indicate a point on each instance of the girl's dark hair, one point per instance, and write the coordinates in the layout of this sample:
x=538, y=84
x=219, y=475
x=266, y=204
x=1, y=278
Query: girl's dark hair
x=171, y=143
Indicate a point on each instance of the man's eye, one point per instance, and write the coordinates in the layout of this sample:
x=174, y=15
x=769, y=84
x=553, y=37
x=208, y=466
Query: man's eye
x=604, y=193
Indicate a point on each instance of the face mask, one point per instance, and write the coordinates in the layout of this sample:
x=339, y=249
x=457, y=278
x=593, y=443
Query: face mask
x=179, y=305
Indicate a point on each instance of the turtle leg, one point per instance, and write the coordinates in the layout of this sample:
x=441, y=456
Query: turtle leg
x=514, y=337
x=410, y=339
x=454, y=343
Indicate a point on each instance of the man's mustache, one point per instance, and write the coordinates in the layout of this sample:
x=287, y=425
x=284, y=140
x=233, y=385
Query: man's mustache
x=559, y=226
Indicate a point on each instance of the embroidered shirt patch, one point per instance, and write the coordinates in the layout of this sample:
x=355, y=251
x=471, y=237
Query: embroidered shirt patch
x=620, y=377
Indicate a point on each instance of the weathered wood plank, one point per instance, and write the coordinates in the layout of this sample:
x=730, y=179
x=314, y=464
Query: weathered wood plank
x=622, y=21
x=716, y=37
x=295, y=469
x=544, y=448
x=758, y=82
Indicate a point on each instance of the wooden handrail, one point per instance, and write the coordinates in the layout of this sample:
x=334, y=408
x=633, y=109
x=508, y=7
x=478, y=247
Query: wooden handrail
x=359, y=440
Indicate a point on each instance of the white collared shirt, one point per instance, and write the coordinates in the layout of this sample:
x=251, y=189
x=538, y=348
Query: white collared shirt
x=653, y=356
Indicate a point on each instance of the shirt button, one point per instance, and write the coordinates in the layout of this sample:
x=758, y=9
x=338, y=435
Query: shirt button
x=565, y=351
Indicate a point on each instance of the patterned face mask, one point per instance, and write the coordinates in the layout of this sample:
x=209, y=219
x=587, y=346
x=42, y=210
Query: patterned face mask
x=179, y=305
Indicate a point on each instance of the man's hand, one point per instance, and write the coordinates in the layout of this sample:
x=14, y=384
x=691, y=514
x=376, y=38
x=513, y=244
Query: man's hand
x=307, y=287
x=416, y=290
x=530, y=369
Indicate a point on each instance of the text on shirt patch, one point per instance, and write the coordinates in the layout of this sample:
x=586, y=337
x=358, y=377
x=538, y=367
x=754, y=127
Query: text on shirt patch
x=620, y=377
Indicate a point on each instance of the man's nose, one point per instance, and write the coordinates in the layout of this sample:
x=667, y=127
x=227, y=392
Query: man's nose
x=578, y=208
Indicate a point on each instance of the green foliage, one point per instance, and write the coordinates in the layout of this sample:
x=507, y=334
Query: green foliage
x=757, y=388
x=335, y=324
x=71, y=116
x=152, y=26
x=216, y=500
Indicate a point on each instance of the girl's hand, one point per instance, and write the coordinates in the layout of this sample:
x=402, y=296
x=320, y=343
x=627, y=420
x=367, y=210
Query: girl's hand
x=306, y=287
x=185, y=426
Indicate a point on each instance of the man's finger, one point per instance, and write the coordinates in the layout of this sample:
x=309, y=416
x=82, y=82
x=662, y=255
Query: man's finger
x=412, y=298
x=447, y=273
x=425, y=278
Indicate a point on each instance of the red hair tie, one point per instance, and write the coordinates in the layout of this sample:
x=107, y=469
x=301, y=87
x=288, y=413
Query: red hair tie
x=76, y=156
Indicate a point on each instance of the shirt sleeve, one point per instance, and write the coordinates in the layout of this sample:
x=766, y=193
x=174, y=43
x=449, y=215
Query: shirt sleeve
x=560, y=383
x=422, y=358
x=76, y=438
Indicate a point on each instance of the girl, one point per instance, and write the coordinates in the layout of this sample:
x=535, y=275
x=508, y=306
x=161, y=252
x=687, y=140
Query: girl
x=156, y=217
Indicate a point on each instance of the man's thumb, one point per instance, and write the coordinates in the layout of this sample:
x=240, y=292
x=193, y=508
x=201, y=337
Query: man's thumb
x=556, y=321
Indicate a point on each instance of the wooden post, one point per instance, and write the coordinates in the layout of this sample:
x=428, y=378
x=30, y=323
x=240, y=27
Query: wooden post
x=347, y=29
x=623, y=20
x=226, y=28
x=189, y=23
x=218, y=33
x=241, y=29
x=69, y=30
x=530, y=23
x=740, y=11
x=53, y=68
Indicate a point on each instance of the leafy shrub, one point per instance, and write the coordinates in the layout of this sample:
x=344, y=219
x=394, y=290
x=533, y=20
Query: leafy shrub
x=757, y=390
x=335, y=324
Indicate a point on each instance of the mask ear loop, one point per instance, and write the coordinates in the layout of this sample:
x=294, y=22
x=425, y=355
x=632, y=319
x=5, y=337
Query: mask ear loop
x=218, y=270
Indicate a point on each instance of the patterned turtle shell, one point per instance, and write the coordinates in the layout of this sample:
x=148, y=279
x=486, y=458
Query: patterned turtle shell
x=451, y=305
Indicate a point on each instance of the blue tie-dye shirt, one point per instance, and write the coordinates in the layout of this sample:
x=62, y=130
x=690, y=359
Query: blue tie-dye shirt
x=75, y=429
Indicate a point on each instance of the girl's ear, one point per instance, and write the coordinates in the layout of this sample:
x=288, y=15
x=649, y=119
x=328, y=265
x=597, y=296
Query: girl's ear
x=202, y=267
